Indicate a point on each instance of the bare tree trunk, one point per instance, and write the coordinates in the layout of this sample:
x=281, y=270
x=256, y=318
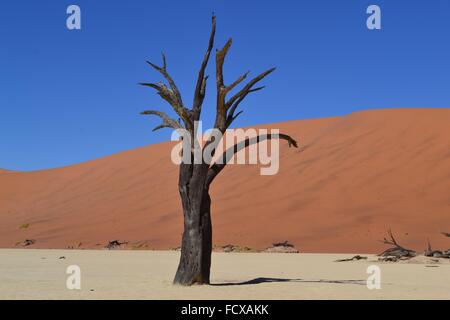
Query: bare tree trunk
x=196, y=246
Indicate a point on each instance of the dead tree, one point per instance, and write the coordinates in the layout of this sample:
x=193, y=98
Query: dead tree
x=396, y=252
x=195, y=179
x=114, y=244
x=429, y=252
x=28, y=242
x=283, y=244
x=354, y=258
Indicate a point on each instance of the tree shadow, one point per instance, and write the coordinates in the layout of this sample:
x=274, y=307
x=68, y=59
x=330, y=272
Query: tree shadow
x=268, y=280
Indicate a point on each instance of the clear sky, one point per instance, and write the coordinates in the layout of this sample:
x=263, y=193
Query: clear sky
x=71, y=96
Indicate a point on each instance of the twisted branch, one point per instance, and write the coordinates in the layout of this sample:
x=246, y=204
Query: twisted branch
x=171, y=95
x=396, y=251
x=167, y=121
x=226, y=156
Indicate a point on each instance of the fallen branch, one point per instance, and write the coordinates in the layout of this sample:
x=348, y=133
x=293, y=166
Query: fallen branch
x=114, y=244
x=396, y=252
x=283, y=244
x=355, y=258
x=28, y=242
x=429, y=252
x=282, y=247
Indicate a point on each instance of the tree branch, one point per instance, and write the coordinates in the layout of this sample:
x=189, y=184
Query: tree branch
x=171, y=95
x=163, y=71
x=231, y=117
x=167, y=121
x=216, y=168
x=168, y=95
x=221, y=111
x=223, y=117
x=220, y=59
x=200, y=88
x=225, y=109
x=234, y=84
x=397, y=251
x=248, y=88
x=232, y=109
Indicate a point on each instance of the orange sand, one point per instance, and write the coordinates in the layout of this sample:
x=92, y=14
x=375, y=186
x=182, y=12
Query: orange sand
x=352, y=178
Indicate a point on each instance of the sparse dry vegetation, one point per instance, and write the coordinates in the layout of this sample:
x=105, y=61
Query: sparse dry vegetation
x=396, y=252
x=24, y=226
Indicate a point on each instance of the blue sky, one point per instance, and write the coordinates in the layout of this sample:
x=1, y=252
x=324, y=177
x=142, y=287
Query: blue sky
x=71, y=96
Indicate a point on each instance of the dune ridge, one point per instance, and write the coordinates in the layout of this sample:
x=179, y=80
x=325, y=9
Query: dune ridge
x=352, y=178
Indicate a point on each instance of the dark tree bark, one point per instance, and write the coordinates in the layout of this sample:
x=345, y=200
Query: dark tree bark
x=396, y=252
x=195, y=179
x=196, y=246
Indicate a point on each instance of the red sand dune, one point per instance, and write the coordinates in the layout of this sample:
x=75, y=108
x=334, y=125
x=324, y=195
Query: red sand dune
x=352, y=179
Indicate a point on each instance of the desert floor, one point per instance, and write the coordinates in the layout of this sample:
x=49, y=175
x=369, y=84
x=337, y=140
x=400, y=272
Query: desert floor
x=41, y=274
